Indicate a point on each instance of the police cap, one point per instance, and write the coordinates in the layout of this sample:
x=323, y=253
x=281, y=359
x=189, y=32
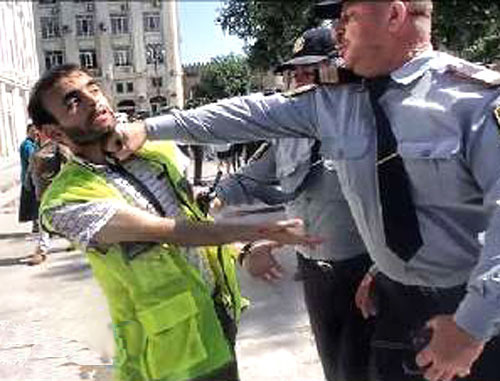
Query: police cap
x=314, y=46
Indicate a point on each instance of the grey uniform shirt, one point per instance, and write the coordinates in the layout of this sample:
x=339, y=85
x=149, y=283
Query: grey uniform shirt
x=447, y=136
x=316, y=198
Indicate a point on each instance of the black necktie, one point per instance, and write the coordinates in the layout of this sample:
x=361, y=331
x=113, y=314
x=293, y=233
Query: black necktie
x=402, y=233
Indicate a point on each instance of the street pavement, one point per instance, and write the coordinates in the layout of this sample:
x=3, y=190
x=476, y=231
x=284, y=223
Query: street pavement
x=54, y=323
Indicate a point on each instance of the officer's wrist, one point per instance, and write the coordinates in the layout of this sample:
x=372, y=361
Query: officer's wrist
x=244, y=252
x=373, y=270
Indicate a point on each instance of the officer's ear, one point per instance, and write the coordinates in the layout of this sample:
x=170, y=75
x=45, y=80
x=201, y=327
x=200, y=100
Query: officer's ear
x=397, y=15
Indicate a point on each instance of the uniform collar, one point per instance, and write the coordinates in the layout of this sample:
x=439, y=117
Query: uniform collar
x=415, y=68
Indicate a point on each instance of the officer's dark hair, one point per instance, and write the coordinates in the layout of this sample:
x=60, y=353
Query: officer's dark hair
x=36, y=109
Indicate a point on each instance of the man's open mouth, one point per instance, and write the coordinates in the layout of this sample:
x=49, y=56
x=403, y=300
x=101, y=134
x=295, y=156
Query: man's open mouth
x=100, y=114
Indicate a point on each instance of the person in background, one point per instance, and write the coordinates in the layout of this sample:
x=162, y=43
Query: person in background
x=45, y=164
x=28, y=207
x=224, y=153
x=310, y=187
x=174, y=304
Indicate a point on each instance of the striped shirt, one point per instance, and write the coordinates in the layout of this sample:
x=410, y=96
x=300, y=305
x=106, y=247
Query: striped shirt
x=80, y=222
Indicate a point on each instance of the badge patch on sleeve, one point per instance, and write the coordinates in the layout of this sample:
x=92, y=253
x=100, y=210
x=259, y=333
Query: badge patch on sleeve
x=497, y=115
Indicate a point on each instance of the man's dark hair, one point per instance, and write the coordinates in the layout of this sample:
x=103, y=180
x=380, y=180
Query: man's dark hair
x=36, y=109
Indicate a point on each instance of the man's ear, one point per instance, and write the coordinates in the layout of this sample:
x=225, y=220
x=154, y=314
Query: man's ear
x=54, y=132
x=398, y=12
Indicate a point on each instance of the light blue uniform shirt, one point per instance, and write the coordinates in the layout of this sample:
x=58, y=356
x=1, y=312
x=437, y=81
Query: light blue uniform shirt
x=316, y=198
x=448, y=138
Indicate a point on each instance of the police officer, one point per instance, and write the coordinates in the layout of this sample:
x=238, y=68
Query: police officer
x=420, y=133
x=334, y=270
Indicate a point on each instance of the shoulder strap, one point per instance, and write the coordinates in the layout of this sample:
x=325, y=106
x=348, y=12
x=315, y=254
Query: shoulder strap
x=474, y=72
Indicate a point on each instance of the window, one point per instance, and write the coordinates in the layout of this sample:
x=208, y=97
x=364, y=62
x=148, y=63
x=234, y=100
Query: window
x=88, y=59
x=50, y=27
x=85, y=25
x=53, y=58
x=122, y=56
x=42, y=2
x=119, y=24
x=152, y=22
x=155, y=54
x=157, y=81
x=124, y=87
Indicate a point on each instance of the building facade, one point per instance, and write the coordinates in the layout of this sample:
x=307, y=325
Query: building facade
x=192, y=78
x=131, y=47
x=18, y=72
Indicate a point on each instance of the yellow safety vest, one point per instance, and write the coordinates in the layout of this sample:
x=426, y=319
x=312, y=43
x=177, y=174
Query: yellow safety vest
x=165, y=324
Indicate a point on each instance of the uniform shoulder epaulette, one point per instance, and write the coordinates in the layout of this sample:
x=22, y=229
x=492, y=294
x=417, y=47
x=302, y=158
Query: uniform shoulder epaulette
x=496, y=112
x=474, y=72
x=300, y=90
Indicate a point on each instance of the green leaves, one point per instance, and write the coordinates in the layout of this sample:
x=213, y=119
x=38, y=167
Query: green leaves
x=469, y=29
x=224, y=76
x=269, y=28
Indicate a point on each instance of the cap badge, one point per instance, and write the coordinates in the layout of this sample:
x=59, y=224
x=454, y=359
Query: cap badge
x=299, y=45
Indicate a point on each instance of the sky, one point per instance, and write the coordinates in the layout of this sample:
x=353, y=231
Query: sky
x=201, y=38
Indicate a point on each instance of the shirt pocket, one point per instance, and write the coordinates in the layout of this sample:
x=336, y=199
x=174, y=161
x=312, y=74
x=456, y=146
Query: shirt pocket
x=155, y=269
x=291, y=154
x=174, y=343
x=434, y=168
x=347, y=147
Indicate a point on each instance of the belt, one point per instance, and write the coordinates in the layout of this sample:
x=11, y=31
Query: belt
x=330, y=263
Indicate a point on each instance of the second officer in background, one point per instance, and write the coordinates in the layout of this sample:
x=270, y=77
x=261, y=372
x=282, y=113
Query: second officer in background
x=332, y=272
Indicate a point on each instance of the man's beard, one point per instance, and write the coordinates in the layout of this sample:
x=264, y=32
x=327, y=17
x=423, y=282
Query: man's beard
x=89, y=136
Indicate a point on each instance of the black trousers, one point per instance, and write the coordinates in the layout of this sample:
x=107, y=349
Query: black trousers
x=342, y=335
x=402, y=312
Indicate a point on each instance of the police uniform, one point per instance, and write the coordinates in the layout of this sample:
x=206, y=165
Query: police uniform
x=331, y=271
x=442, y=113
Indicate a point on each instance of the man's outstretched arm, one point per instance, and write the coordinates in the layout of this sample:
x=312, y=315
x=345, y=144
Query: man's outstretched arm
x=104, y=222
x=134, y=225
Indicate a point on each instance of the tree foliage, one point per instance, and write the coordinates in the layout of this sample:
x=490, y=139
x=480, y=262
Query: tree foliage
x=223, y=77
x=269, y=28
x=469, y=29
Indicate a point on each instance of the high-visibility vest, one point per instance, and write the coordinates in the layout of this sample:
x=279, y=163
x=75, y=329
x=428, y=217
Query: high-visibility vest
x=163, y=314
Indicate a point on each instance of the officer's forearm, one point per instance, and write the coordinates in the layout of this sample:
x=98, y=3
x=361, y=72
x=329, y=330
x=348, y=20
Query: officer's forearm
x=478, y=313
x=248, y=118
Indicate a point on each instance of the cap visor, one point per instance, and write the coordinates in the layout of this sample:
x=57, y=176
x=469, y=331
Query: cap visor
x=305, y=60
x=298, y=61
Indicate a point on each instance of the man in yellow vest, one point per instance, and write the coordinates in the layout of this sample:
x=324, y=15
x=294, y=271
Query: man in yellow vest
x=174, y=306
